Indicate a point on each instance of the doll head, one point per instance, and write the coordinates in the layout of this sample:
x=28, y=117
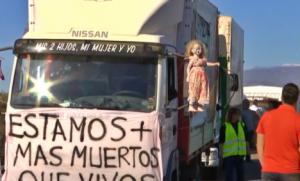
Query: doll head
x=195, y=47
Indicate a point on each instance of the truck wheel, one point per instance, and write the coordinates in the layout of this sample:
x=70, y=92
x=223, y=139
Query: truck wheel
x=209, y=173
x=188, y=172
x=174, y=176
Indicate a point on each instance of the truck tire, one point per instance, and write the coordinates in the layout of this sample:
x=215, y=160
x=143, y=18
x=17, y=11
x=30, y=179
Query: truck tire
x=209, y=173
x=174, y=176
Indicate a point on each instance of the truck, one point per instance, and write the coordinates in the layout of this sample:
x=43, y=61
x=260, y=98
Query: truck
x=98, y=91
x=231, y=55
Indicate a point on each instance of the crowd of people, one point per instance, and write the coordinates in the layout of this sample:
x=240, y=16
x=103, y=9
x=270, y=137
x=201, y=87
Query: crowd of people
x=273, y=131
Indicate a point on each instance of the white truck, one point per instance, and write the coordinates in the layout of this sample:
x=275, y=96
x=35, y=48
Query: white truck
x=98, y=91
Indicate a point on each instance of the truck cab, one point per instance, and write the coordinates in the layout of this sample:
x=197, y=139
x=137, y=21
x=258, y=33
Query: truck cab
x=90, y=77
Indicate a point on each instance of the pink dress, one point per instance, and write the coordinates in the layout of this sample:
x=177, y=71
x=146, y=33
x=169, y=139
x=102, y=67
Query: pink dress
x=198, y=82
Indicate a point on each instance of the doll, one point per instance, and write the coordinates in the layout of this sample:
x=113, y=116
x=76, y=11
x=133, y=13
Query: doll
x=196, y=75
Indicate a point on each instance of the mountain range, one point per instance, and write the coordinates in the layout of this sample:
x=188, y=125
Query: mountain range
x=273, y=76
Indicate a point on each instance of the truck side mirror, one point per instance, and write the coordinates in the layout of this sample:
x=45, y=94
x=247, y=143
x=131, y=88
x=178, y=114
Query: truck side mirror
x=234, y=82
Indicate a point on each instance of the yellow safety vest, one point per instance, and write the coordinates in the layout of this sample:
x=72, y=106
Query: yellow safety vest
x=234, y=145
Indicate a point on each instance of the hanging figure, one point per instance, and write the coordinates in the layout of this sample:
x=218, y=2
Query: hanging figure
x=196, y=76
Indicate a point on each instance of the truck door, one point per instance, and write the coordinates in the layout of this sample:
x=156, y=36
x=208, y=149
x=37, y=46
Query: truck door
x=169, y=126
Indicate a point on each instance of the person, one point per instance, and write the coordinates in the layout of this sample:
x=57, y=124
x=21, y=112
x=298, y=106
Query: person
x=254, y=107
x=233, y=145
x=250, y=118
x=273, y=104
x=278, y=139
x=196, y=75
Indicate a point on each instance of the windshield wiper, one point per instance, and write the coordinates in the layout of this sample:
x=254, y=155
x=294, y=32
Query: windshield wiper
x=108, y=108
x=49, y=105
x=28, y=106
x=22, y=105
x=82, y=104
x=94, y=107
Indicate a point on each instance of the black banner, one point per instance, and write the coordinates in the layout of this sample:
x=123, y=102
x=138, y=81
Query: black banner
x=83, y=47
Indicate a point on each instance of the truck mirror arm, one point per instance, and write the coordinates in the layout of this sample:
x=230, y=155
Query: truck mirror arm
x=6, y=48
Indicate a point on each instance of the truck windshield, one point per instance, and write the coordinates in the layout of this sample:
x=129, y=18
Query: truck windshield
x=95, y=82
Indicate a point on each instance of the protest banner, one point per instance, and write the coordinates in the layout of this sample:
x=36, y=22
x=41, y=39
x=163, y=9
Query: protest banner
x=85, y=145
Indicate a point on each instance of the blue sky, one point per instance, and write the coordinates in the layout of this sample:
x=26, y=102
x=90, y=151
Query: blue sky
x=13, y=21
x=272, y=30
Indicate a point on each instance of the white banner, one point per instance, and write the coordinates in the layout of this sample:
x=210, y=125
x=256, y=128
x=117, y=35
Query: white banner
x=84, y=145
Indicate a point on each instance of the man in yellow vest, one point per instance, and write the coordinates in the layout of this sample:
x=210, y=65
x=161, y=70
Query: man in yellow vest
x=233, y=145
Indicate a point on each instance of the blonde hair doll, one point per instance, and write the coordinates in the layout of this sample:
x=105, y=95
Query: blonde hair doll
x=196, y=75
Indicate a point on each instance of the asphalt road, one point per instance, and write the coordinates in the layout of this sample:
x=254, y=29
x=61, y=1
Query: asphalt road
x=252, y=170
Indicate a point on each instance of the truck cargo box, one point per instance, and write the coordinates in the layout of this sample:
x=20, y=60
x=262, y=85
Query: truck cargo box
x=231, y=47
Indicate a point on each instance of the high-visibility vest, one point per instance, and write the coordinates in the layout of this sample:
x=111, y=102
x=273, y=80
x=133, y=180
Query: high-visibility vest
x=234, y=145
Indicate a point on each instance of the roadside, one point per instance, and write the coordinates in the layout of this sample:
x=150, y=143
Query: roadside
x=252, y=170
